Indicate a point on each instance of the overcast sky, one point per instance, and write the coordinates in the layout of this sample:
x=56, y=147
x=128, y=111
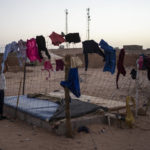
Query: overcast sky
x=119, y=22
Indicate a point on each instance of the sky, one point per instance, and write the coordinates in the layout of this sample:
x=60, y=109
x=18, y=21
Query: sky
x=119, y=22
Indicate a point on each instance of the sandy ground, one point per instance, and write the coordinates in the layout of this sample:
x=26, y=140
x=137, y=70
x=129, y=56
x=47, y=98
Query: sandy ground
x=17, y=135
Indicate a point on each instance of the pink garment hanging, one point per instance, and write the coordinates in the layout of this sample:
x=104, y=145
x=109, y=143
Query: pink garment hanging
x=32, y=50
x=140, y=62
x=56, y=39
x=47, y=67
x=59, y=64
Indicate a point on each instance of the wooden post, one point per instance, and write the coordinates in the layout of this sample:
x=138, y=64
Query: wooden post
x=18, y=99
x=67, y=99
x=137, y=91
x=24, y=78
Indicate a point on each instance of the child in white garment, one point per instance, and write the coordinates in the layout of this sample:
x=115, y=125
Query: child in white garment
x=2, y=88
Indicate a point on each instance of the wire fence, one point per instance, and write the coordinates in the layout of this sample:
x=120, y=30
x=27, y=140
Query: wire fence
x=93, y=82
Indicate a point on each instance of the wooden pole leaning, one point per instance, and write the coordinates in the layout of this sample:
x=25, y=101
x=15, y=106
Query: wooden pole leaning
x=24, y=78
x=69, y=132
x=19, y=91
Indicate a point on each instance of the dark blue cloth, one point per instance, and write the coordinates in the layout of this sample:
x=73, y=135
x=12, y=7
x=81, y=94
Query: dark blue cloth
x=110, y=56
x=72, y=82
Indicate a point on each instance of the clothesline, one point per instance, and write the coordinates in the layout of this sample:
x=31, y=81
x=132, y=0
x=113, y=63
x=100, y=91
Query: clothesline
x=32, y=48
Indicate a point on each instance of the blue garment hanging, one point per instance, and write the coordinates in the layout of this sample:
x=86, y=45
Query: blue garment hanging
x=11, y=47
x=110, y=57
x=72, y=82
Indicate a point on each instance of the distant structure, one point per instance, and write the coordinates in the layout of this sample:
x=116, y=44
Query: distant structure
x=133, y=47
x=66, y=12
x=88, y=23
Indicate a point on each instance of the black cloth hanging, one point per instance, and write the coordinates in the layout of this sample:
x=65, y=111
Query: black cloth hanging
x=73, y=37
x=90, y=46
x=120, y=66
x=147, y=66
x=40, y=40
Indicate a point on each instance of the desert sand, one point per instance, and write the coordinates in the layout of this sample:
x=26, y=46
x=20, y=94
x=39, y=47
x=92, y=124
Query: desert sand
x=17, y=135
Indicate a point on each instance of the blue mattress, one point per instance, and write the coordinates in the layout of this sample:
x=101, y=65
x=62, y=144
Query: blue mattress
x=42, y=109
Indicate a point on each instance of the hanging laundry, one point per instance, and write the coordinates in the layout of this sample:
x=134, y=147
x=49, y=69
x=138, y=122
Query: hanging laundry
x=32, y=50
x=47, y=67
x=73, y=37
x=129, y=115
x=133, y=74
x=59, y=64
x=90, y=46
x=56, y=38
x=12, y=47
x=147, y=65
x=40, y=40
x=110, y=56
x=76, y=62
x=140, y=62
x=143, y=66
x=72, y=82
x=22, y=48
x=120, y=66
x=21, y=53
x=54, y=57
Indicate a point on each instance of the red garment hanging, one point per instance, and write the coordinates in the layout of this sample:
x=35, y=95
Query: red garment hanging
x=56, y=39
